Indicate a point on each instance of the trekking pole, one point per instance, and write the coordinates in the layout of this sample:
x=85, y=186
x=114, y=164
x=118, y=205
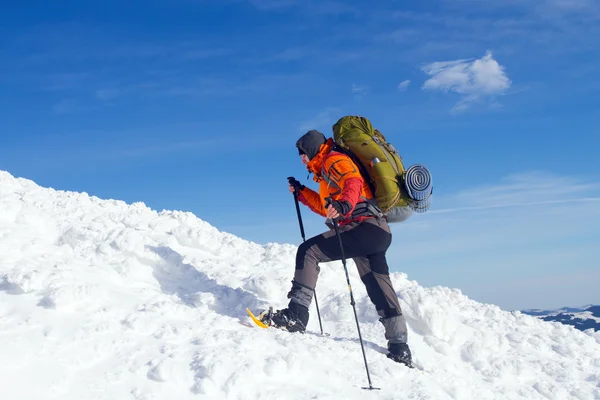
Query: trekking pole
x=352, y=302
x=304, y=240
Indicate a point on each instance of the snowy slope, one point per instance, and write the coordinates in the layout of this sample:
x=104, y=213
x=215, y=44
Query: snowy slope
x=104, y=300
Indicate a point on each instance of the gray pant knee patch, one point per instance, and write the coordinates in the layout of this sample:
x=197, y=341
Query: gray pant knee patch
x=300, y=294
x=395, y=329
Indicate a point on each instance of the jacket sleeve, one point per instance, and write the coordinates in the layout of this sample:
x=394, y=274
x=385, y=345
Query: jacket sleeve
x=351, y=191
x=312, y=200
x=345, y=174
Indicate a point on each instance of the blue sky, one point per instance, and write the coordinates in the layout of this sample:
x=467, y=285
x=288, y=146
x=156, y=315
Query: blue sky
x=196, y=106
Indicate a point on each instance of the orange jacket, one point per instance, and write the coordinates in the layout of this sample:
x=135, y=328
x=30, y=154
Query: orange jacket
x=338, y=177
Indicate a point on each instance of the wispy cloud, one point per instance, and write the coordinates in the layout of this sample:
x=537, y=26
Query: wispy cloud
x=537, y=33
x=60, y=82
x=168, y=148
x=203, y=54
x=570, y=4
x=273, y=4
x=68, y=106
x=323, y=121
x=474, y=80
x=291, y=54
x=535, y=5
x=403, y=85
x=83, y=61
x=534, y=186
x=334, y=8
x=526, y=226
x=520, y=204
x=319, y=7
x=359, y=90
x=90, y=150
x=106, y=94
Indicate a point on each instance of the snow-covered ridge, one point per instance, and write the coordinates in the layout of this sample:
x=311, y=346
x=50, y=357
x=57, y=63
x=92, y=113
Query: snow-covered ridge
x=582, y=318
x=540, y=312
x=104, y=300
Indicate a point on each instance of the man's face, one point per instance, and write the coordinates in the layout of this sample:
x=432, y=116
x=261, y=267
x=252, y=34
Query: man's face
x=304, y=159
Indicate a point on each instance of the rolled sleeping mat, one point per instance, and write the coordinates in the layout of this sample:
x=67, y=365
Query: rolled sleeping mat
x=419, y=187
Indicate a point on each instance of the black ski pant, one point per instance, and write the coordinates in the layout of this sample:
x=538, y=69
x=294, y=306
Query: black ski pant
x=366, y=243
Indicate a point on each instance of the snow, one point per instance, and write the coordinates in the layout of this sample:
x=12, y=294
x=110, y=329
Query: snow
x=583, y=315
x=104, y=300
x=586, y=315
x=544, y=313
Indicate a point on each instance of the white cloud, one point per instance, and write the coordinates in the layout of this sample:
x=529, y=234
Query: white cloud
x=403, y=85
x=474, y=80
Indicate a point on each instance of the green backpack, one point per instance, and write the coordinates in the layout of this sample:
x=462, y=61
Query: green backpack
x=380, y=163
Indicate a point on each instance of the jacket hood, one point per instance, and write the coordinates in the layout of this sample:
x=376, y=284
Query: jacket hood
x=310, y=143
x=316, y=163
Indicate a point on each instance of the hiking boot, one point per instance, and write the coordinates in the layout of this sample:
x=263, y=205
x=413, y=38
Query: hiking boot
x=400, y=353
x=287, y=320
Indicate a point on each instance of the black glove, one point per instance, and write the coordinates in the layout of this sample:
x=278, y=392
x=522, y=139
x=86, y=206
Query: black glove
x=342, y=207
x=298, y=187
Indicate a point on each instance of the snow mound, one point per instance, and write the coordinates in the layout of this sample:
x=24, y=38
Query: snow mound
x=104, y=300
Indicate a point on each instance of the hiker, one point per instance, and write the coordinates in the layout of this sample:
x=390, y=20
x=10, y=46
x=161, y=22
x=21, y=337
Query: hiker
x=365, y=235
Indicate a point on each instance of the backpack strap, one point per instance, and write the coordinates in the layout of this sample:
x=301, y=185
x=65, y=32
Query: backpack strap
x=330, y=182
x=366, y=208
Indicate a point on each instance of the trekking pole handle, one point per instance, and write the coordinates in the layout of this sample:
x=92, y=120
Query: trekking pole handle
x=290, y=179
x=299, y=216
x=328, y=202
